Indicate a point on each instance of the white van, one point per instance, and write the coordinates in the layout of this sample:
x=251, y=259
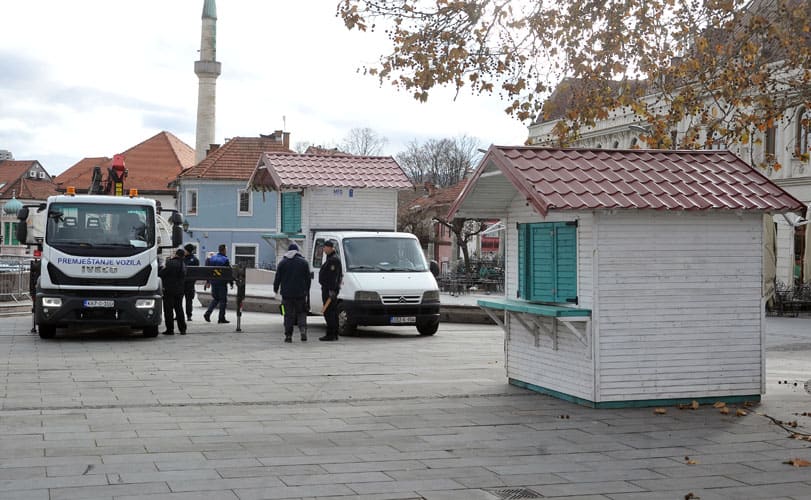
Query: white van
x=386, y=280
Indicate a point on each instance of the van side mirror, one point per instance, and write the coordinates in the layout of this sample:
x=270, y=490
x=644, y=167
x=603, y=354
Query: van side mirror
x=434, y=267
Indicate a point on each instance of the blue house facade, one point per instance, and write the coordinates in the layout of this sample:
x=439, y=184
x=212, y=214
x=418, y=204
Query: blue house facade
x=218, y=208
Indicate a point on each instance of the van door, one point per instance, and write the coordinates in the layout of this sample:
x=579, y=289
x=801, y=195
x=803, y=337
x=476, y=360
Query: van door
x=318, y=258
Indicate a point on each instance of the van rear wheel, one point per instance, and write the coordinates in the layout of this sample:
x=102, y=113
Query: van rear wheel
x=428, y=327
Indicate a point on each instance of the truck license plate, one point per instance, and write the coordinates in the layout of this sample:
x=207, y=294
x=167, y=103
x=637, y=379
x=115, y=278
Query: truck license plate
x=99, y=303
x=399, y=320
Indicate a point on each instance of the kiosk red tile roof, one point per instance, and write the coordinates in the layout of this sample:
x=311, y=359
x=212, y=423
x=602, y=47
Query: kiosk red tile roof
x=554, y=179
x=277, y=171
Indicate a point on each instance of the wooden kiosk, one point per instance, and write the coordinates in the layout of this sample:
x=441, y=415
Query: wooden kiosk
x=633, y=278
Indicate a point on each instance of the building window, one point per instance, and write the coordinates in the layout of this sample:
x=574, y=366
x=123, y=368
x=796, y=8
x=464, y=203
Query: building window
x=244, y=197
x=547, y=262
x=245, y=255
x=191, y=202
x=803, y=139
x=10, y=233
x=291, y=212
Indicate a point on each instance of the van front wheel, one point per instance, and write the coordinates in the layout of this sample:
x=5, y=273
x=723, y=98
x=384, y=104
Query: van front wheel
x=345, y=324
x=428, y=327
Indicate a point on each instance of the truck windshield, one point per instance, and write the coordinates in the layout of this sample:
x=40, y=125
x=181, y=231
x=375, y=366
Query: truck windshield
x=83, y=228
x=376, y=254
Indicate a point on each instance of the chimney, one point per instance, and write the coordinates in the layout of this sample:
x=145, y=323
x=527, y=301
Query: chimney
x=286, y=139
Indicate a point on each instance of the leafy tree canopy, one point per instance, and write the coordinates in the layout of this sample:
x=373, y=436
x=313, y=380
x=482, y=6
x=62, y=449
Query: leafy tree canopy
x=731, y=66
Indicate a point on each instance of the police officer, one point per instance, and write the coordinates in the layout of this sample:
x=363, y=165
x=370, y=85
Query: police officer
x=219, y=290
x=329, y=277
x=173, y=274
x=188, y=288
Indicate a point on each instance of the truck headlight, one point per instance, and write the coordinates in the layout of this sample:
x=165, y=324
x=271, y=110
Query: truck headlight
x=51, y=302
x=367, y=296
x=431, y=296
x=145, y=303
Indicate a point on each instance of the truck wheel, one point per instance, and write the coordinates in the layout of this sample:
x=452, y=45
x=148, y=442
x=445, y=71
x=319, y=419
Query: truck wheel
x=345, y=324
x=150, y=331
x=46, y=331
x=428, y=328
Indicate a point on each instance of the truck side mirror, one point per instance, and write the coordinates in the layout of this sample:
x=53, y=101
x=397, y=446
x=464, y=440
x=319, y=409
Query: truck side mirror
x=177, y=236
x=22, y=226
x=176, y=219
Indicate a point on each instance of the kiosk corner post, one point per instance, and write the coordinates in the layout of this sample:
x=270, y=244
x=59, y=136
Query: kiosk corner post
x=239, y=276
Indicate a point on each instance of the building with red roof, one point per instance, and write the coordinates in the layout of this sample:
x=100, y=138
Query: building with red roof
x=26, y=182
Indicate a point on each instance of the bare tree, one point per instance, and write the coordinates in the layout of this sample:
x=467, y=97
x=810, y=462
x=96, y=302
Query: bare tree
x=363, y=142
x=301, y=146
x=463, y=230
x=442, y=162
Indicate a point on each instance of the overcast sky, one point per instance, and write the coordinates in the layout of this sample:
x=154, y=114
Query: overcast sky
x=87, y=78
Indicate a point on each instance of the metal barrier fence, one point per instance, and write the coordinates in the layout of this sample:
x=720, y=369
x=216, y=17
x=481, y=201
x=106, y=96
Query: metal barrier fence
x=14, y=278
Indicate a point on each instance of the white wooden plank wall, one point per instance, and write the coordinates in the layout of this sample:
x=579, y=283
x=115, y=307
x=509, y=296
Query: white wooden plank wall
x=679, y=305
x=568, y=369
x=366, y=209
x=785, y=251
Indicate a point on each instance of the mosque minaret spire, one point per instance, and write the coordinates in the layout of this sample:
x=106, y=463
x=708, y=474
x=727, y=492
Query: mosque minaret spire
x=207, y=70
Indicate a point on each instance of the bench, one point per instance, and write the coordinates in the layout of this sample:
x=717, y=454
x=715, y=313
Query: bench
x=541, y=319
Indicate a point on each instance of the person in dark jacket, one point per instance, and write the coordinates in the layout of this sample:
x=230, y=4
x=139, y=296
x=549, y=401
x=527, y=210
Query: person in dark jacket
x=188, y=286
x=329, y=277
x=219, y=288
x=173, y=275
x=293, y=277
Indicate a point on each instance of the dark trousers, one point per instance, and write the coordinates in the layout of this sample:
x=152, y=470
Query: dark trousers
x=331, y=314
x=189, y=294
x=219, y=294
x=173, y=308
x=295, y=312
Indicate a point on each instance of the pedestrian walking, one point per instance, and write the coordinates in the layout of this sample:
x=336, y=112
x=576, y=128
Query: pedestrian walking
x=329, y=277
x=188, y=286
x=293, y=277
x=219, y=287
x=172, y=275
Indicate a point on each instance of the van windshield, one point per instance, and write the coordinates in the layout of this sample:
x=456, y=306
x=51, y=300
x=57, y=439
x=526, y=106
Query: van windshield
x=383, y=255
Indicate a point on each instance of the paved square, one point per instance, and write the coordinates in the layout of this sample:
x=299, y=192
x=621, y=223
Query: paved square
x=385, y=414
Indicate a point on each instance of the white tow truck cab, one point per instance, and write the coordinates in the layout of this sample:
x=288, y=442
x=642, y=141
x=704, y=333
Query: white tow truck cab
x=98, y=260
x=386, y=280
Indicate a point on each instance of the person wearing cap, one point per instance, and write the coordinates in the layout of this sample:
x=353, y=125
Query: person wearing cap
x=188, y=286
x=293, y=277
x=329, y=277
x=173, y=276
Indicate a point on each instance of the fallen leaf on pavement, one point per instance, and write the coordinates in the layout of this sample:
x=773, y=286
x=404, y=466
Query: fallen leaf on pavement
x=691, y=496
x=660, y=411
x=719, y=404
x=724, y=410
x=694, y=405
x=690, y=461
x=798, y=462
x=741, y=412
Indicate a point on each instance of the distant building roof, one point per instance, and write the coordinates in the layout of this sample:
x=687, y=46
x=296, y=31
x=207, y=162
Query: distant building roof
x=277, y=171
x=236, y=159
x=555, y=179
x=15, y=181
x=151, y=165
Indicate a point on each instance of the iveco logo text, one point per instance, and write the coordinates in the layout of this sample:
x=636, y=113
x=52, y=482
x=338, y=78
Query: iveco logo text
x=99, y=270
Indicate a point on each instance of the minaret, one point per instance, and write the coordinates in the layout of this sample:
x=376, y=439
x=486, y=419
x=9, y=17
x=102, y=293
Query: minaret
x=207, y=70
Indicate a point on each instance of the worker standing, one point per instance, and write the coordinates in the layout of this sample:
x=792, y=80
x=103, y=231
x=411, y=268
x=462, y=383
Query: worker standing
x=329, y=277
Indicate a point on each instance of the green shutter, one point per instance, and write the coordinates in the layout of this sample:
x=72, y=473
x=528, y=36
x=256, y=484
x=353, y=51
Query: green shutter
x=565, y=263
x=6, y=233
x=291, y=212
x=542, y=286
x=547, y=262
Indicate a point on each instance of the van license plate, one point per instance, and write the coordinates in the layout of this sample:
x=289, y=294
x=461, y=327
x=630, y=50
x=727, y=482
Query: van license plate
x=399, y=320
x=99, y=303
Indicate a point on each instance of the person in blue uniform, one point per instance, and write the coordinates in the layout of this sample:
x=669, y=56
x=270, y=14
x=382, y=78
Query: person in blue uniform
x=219, y=288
